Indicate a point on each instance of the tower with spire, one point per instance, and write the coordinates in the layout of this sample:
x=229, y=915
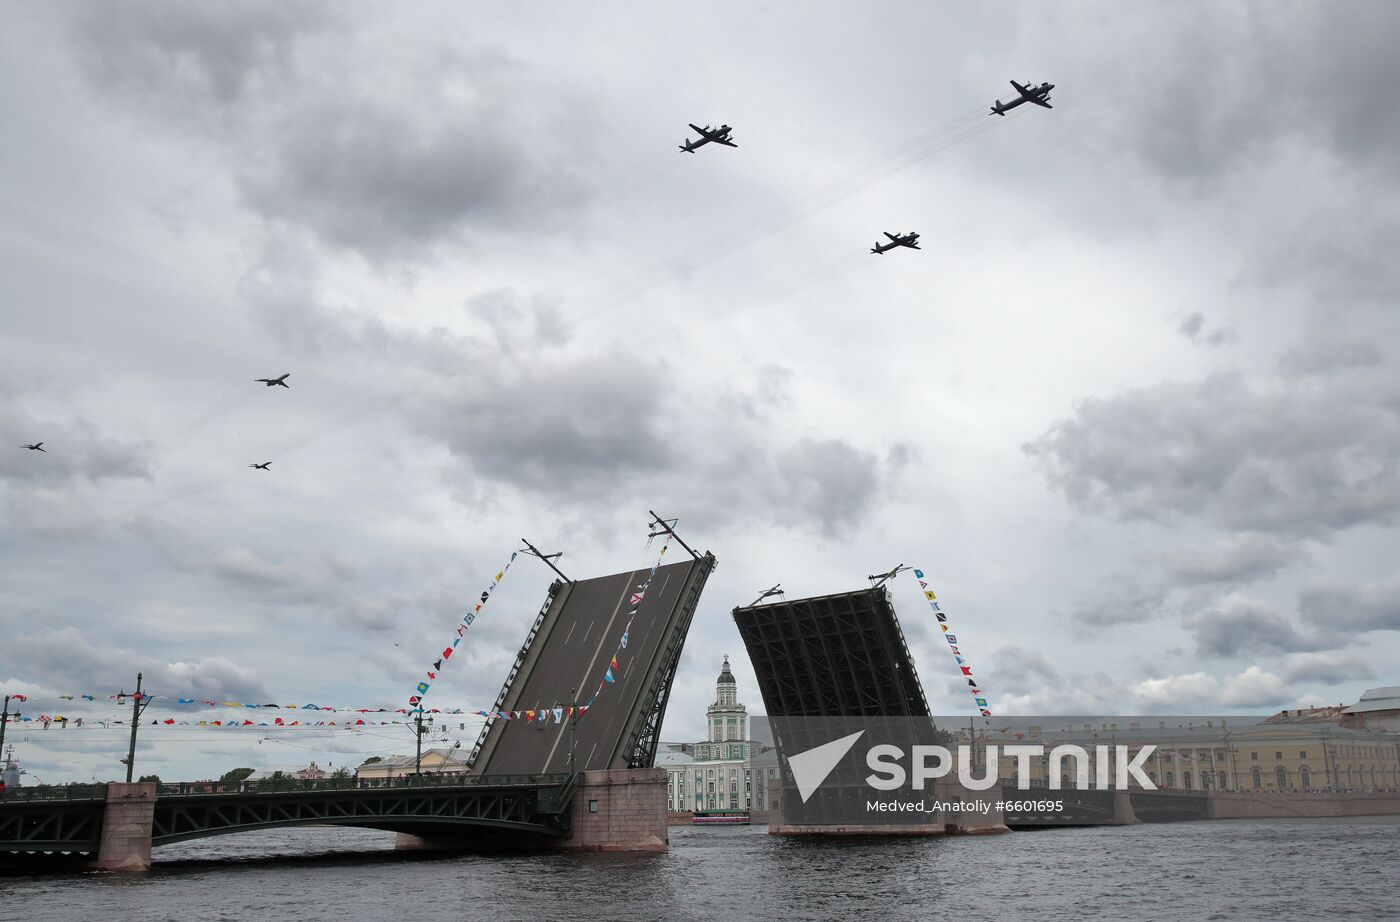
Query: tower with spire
x=728, y=721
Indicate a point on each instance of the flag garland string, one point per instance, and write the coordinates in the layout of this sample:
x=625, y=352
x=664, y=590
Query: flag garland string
x=634, y=601
x=63, y=722
x=421, y=689
x=978, y=695
x=186, y=700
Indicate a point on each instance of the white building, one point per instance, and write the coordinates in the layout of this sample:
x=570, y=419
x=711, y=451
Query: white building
x=717, y=773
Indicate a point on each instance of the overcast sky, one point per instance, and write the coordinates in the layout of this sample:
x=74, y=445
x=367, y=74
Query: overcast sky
x=1133, y=407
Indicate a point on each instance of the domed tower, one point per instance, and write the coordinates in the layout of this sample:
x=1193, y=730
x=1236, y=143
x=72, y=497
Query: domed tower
x=728, y=718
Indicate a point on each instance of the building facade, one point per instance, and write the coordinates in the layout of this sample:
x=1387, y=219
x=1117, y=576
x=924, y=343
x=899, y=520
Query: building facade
x=1290, y=752
x=718, y=773
x=435, y=762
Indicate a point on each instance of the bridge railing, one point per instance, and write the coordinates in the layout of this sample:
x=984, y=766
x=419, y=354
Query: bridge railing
x=307, y=785
x=560, y=780
x=45, y=792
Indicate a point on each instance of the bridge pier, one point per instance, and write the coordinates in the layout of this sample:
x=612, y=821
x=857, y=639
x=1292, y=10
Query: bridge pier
x=619, y=810
x=1123, y=813
x=126, y=827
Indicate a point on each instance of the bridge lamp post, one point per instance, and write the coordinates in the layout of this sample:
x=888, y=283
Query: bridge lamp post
x=4, y=721
x=573, y=738
x=139, y=703
x=418, y=759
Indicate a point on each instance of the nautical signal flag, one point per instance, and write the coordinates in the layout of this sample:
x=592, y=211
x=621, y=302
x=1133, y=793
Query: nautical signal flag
x=966, y=670
x=944, y=627
x=941, y=617
x=928, y=594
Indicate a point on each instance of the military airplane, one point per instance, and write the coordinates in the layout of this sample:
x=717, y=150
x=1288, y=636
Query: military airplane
x=718, y=135
x=910, y=240
x=37, y=446
x=274, y=382
x=1040, y=95
x=265, y=466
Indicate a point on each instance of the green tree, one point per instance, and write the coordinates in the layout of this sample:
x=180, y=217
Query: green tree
x=341, y=772
x=152, y=778
x=236, y=774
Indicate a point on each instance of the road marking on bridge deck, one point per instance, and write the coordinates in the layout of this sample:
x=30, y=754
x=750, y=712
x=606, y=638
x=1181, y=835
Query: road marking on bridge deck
x=582, y=683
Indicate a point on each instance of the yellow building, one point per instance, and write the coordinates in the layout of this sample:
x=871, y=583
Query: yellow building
x=435, y=762
x=1275, y=755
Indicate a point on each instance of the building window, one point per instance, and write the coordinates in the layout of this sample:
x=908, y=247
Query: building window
x=1279, y=756
x=1254, y=757
x=1258, y=777
x=1281, y=777
x=1302, y=753
x=1305, y=776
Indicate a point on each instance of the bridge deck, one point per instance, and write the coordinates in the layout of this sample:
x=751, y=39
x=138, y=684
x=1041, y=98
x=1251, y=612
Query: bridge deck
x=572, y=649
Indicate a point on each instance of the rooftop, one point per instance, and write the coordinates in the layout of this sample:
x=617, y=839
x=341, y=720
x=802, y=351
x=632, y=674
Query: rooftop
x=1385, y=698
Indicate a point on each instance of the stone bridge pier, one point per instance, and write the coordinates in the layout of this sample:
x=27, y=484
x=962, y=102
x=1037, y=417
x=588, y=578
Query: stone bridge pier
x=620, y=810
x=126, y=827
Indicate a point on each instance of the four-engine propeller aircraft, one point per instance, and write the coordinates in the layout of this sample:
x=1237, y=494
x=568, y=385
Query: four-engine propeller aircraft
x=910, y=240
x=718, y=135
x=274, y=382
x=265, y=466
x=1040, y=95
x=37, y=446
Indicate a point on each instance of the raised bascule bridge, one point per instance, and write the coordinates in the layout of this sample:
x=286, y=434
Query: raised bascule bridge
x=838, y=665
x=584, y=783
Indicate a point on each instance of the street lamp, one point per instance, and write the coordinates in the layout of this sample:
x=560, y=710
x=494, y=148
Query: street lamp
x=139, y=703
x=418, y=759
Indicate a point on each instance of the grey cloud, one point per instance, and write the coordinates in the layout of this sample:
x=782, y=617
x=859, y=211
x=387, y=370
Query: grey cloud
x=1242, y=627
x=65, y=658
x=1018, y=670
x=1369, y=607
x=1326, y=668
x=1199, y=691
x=1325, y=354
x=1325, y=77
x=1277, y=457
x=1232, y=559
x=382, y=153
x=1124, y=598
x=826, y=477
x=189, y=58
x=1194, y=329
x=383, y=179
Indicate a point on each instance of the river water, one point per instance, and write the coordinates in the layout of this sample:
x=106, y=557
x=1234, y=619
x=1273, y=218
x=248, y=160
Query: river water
x=1225, y=869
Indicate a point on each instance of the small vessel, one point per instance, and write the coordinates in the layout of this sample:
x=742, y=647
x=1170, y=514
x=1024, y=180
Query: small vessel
x=721, y=818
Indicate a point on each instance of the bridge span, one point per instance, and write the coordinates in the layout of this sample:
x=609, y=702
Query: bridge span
x=585, y=782
x=116, y=824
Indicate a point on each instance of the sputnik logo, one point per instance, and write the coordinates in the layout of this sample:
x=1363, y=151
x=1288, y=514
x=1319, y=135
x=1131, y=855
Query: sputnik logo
x=811, y=768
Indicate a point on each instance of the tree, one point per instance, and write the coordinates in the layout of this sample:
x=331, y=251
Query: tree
x=341, y=772
x=152, y=778
x=236, y=774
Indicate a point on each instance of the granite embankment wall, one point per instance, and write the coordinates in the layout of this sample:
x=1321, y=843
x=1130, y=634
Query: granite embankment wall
x=1223, y=805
